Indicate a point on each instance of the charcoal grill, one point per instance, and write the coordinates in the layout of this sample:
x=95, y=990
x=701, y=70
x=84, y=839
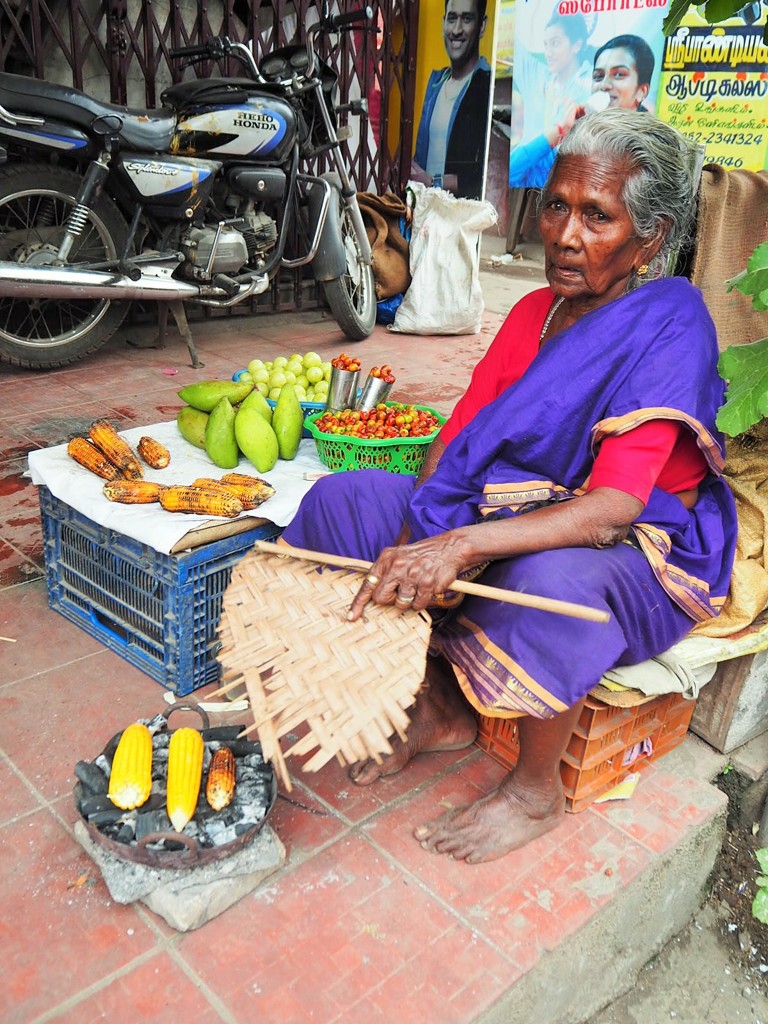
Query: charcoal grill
x=129, y=835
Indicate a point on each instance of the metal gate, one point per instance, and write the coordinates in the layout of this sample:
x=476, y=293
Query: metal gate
x=120, y=48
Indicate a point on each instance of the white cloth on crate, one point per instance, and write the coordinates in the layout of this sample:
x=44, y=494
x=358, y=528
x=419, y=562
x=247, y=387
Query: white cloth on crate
x=151, y=524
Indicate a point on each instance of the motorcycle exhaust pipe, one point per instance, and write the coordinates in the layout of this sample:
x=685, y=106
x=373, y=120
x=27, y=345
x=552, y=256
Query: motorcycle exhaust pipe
x=155, y=284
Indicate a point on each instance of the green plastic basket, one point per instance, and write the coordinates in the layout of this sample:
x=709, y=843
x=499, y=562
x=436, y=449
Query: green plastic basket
x=393, y=454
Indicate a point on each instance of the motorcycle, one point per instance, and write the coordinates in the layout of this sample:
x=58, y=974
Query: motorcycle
x=195, y=201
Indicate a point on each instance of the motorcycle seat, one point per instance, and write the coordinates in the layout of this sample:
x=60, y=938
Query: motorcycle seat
x=140, y=129
x=212, y=92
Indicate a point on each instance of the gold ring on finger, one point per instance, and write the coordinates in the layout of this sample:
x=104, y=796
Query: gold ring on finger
x=372, y=579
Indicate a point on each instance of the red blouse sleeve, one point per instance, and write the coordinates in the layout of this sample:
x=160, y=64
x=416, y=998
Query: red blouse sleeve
x=659, y=453
x=508, y=357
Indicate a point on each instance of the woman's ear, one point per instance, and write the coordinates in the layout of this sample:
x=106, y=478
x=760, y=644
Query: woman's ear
x=652, y=246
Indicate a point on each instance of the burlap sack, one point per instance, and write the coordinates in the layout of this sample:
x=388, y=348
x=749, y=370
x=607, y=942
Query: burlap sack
x=732, y=221
x=381, y=216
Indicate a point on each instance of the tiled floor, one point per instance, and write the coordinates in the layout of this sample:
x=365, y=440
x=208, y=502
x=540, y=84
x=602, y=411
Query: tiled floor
x=360, y=924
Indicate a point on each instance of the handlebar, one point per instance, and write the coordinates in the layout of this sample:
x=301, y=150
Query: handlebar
x=342, y=21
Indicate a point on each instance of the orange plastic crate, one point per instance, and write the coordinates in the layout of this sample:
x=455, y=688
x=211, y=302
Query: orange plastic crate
x=604, y=735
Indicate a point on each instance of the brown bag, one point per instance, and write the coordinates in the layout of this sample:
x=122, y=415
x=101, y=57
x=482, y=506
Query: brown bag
x=390, y=252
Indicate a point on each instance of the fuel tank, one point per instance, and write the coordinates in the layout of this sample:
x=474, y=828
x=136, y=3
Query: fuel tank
x=262, y=127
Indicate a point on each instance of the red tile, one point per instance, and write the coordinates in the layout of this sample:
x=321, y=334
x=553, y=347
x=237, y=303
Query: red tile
x=18, y=798
x=303, y=823
x=26, y=616
x=348, y=908
x=16, y=568
x=155, y=992
x=61, y=931
x=50, y=721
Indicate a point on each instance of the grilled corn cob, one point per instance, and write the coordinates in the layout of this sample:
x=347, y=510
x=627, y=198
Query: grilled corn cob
x=251, y=490
x=116, y=449
x=154, y=454
x=130, y=780
x=88, y=455
x=220, y=787
x=181, y=498
x=132, y=492
x=209, y=484
x=185, y=773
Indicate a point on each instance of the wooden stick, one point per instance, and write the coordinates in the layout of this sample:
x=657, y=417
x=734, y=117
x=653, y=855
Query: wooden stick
x=544, y=604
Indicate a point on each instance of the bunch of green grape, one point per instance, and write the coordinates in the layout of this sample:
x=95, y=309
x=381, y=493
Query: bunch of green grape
x=308, y=373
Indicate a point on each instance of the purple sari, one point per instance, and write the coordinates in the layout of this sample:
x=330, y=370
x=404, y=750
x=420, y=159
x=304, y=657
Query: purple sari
x=648, y=355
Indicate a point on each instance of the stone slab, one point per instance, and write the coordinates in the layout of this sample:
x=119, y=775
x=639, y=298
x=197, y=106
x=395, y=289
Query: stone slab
x=188, y=897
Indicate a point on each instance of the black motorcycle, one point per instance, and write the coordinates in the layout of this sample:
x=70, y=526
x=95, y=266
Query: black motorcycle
x=192, y=202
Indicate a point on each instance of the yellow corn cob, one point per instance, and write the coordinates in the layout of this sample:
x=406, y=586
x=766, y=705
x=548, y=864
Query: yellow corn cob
x=88, y=455
x=130, y=780
x=132, y=492
x=209, y=484
x=220, y=787
x=154, y=454
x=180, y=498
x=251, y=490
x=185, y=773
x=116, y=449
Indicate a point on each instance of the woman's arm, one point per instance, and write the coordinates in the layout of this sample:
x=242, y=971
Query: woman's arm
x=420, y=570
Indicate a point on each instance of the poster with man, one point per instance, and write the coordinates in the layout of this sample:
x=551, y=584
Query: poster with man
x=567, y=60
x=454, y=95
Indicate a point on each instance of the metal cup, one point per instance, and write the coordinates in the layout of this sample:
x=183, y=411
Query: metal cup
x=375, y=390
x=342, y=390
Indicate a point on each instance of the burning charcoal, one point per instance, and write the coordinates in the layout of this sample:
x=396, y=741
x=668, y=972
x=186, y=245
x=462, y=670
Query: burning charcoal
x=222, y=733
x=152, y=821
x=246, y=826
x=160, y=741
x=92, y=777
x=90, y=804
x=253, y=761
x=104, y=764
x=160, y=755
x=127, y=831
x=156, y=724
x=204, y=839
x=99, y=818
x=243, y=748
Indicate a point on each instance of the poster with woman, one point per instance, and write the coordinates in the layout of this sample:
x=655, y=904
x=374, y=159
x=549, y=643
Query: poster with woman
x=567, y=59
x=715, y=87
x=454, y=92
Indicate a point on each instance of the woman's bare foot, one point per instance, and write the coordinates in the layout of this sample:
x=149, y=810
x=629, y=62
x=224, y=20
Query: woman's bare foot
x=501, y=822
x=441, y=719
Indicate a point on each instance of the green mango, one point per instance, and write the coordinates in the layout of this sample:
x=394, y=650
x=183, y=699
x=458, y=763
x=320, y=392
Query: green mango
x=287, y=422
x=258, y=402
x=191, y=423
x=256, y=438
x=220, y=442
x=207, y=394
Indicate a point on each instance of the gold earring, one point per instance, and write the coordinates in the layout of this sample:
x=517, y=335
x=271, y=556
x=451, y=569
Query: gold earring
x=642, y=270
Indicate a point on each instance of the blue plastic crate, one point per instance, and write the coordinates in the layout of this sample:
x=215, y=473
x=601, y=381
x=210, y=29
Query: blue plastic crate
x=159, y=612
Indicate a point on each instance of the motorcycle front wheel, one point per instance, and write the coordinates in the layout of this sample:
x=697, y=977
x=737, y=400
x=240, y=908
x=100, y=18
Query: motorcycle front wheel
x=35, y=205
x=352, y=297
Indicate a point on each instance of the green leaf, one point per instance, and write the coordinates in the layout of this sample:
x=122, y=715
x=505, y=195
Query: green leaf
x=677, y=11
x=762, y=881
x=760, y=906
x=716, y=11
x=754, y=280
x=762, y=857
x=745, y=367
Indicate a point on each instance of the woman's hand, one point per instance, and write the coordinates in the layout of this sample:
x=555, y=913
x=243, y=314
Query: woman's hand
x=409, y=576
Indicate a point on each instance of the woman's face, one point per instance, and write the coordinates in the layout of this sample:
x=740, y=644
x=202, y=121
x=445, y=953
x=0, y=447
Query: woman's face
x=615, y=72
x=559, y=52
x=590, y=247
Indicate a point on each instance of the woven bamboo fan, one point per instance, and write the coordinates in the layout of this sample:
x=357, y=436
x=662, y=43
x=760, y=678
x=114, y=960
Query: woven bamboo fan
x=284, y=634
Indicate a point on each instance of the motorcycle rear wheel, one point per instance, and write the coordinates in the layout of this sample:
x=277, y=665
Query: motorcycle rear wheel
x=352, y=297
x=42, y=334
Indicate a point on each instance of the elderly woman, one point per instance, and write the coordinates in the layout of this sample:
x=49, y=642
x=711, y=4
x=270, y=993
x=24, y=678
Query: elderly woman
x=582, y=463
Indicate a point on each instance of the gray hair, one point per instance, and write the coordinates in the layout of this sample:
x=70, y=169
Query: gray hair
x=659, y=191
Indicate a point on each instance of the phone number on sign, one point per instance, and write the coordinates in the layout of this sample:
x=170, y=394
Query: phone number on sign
x=725, y=138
